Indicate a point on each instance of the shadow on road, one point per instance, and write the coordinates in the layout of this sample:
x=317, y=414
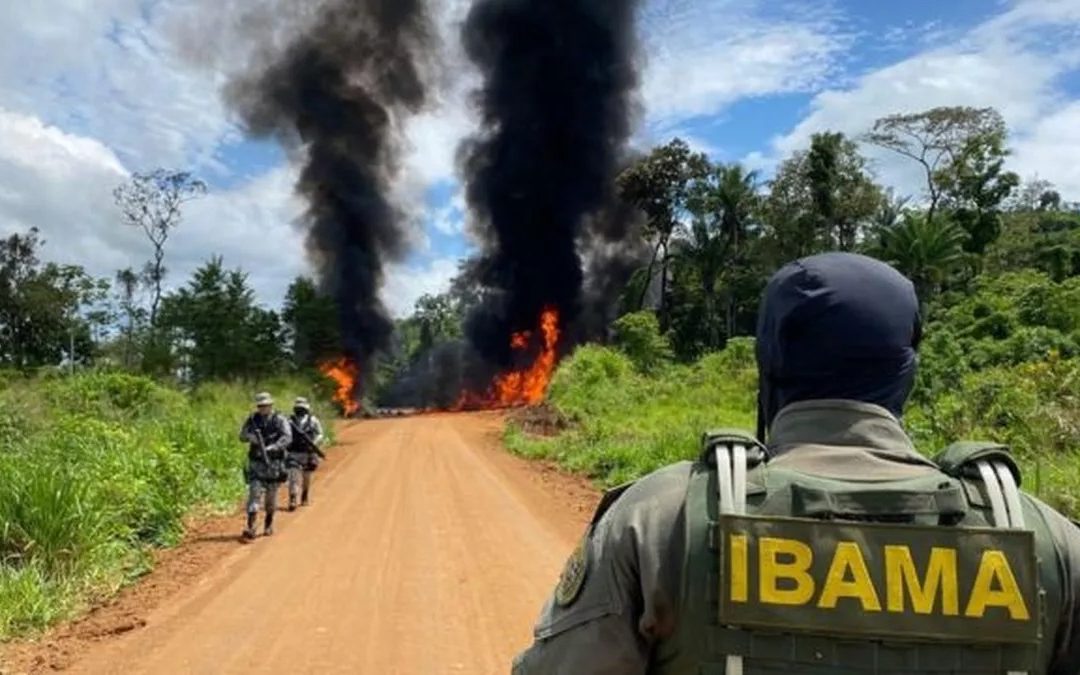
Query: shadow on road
x=216, y=538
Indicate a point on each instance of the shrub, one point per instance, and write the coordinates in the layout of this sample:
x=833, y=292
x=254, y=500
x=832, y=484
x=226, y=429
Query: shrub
x=627, y=424
x=638, y=336
x=98, y=468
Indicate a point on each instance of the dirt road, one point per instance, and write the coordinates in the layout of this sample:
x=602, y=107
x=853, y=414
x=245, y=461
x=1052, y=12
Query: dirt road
x=427, y=550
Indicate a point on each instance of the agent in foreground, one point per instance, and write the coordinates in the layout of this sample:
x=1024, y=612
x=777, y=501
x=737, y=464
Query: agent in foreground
x=830, y=546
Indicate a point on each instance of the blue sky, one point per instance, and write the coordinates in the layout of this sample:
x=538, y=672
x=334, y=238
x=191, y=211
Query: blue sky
x=90, y=92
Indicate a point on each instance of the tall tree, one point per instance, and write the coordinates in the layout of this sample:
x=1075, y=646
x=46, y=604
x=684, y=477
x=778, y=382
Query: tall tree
x=152, y=202
x=43, y=307
x=1035, y=194
x=221, y=332
x=700, y=257
x=821, y=198
x=438, y=319
x=976, y=186
x=844, y=196
x=127, y=288
x=722, y=231
x=792, y=231
x=659, y=184
x=960, y=150
x=311, y=321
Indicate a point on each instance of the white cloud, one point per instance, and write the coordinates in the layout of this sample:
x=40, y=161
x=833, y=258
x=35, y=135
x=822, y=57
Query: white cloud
x=61, y=183
x=699, y=57
x=253, y=226
x=703, y=55
x=1004, y=63
x=406, y=283
x=433, y=136
x=1051, y=149
x=105, y=70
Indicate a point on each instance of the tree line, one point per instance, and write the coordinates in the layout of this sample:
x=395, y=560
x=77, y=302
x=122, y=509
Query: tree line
x=210, y=328
x=715, y=232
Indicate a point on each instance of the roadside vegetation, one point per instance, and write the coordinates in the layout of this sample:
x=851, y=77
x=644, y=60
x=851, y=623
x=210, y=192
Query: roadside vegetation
x=120, y=404
x=622, y=422
x=97, y=470
x=995, y=260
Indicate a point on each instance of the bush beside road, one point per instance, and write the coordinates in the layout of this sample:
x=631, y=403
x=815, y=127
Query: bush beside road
x=622, y=418
x=98, y=469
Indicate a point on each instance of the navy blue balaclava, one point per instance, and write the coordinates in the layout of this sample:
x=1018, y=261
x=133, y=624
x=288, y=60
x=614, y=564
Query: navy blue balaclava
x=840, y=326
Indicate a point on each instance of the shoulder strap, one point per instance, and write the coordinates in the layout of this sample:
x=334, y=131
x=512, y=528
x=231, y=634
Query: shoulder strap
x=732, y=451
x=994, y=466
x=607, y=500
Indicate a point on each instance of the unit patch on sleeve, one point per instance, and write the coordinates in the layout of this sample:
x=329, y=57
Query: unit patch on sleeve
x=573, y=574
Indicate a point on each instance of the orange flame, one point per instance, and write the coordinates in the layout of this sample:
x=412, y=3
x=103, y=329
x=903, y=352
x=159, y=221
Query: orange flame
x=529, y=386
x=345, y=373
x=521, y=387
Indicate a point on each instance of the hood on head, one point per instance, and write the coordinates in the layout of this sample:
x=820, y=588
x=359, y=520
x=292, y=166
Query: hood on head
x=836, y=326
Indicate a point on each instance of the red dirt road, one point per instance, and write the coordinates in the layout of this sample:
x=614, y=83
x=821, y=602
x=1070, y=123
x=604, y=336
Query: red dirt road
x=427, y=550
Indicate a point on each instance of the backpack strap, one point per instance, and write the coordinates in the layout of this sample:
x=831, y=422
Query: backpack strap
x=732, y=451
x=993, y=464
x=608, y=500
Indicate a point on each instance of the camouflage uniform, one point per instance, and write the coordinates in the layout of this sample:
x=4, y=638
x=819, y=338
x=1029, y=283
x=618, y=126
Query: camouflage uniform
x=264, y=479
x=302, y=460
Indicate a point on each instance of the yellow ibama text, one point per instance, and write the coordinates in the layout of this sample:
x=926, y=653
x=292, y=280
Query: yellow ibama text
x=784, y=573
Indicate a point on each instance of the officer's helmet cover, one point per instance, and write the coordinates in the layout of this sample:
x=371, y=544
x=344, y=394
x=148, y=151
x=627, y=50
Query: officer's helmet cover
x=836, y=326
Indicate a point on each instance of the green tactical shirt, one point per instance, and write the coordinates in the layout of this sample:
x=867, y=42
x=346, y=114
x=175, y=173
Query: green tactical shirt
x=618, y=599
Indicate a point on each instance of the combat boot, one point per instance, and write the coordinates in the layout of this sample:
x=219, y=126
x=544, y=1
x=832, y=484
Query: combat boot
x=305, y=499
x=292, y=503
x=249, y=531
x=268, y=528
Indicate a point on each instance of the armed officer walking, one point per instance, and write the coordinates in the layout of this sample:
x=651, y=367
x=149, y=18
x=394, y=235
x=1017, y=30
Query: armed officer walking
x=827, y=544
x=304, y=452
x=268, y=437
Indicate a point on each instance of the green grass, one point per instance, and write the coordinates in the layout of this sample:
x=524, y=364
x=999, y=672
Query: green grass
x=98, y=469
x=623, y=424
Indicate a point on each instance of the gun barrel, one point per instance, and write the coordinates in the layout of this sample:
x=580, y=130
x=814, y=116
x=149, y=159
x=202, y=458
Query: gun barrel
x=311, y=444
x=262, y=447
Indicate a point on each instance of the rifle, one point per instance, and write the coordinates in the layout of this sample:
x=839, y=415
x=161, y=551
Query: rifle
x=310, y=443
x=262, y=448
x=266, y=456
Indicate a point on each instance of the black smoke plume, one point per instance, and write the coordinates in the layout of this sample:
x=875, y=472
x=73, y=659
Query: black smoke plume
x=613, y=246
x=336, y=94
x=556, y=109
